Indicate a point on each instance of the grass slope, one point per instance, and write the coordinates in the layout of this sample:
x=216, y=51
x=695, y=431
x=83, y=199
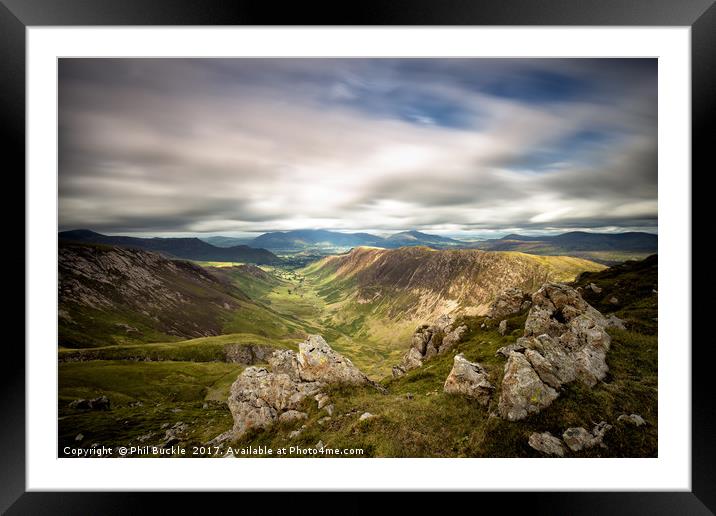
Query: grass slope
x=205, y=349
x=144, y=396
x=116, y=296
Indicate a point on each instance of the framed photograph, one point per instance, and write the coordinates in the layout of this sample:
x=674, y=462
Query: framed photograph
x=437, y=249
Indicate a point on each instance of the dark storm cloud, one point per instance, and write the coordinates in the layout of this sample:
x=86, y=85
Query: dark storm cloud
x=221, y=145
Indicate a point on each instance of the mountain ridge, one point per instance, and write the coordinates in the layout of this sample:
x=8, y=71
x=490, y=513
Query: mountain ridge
x=370, y=287
x=117, y=295
x=189, y=248
x=408, y=237
x=303, y=238
x=606, y=248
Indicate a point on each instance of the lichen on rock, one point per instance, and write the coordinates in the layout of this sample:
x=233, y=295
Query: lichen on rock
x=564, y=340
x=509, y=302
x=428, y=341
x=260, y=397
x=546, y=443
x=469, y=379
x=523, y=391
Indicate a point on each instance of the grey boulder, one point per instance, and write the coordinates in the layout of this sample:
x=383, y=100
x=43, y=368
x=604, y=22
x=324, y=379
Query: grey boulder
x=428, y=341
x=523, y=391
x=578, y=438
x=508, y=302
x=260, y=397
x=469, y=379
x=632, y=419
x=318, y=362
x=564, y=341
x=502, y=328
x=546, y=443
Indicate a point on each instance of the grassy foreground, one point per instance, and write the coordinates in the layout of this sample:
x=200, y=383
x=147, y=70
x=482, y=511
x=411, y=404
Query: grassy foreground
x=146, y=398
x=417, y=419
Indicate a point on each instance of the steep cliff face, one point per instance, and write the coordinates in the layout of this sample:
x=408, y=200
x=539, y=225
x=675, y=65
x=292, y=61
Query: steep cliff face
x=420, y=282
x=111, y=295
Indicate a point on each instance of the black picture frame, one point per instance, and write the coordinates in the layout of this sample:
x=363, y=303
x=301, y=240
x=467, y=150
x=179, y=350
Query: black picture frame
x=17, y=15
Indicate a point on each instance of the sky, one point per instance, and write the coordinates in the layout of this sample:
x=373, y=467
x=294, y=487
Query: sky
x=447, y=146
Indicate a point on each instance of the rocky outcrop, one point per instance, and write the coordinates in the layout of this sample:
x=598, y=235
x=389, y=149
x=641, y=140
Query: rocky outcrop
x=248, y=354
x=452, y=338
x=509, y=302
x=512, y=346
x=430, y=340
x=576, y=438
x=579, y=438
x=411, y=360
x=502, y=328
x=318, y=362
x=523, y=391
x=546, y=443
x=554, y=308
x=285, y=361
x=469, y=379
x=564, y=340
x=443, y=323
x=260, y=397
x=100, y=403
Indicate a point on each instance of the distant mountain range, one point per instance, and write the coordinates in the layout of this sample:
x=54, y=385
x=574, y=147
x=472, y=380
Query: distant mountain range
x=186, y=248
x=302, y=238
x=580, y=239
x=608, y=248
x=602, y=247
x=224, y=241
x=412, y=238
x=321, y=238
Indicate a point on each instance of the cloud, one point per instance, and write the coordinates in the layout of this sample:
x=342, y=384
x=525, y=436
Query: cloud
x=217, y=145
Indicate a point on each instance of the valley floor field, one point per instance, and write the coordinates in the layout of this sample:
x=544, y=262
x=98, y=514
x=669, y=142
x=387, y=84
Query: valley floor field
x=298, y=296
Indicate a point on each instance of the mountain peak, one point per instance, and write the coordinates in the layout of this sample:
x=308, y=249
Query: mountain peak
x=78, y=234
